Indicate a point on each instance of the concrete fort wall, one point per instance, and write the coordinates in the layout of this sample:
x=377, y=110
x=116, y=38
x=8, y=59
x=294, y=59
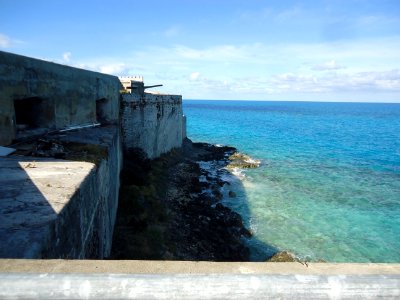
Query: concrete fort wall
x=78, y=212
x=152, y=122
x=55, y=208
x=68, y=209
x=85, y=226
x=36, y=93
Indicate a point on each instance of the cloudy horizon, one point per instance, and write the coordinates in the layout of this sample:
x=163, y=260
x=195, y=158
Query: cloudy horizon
x=253, y=50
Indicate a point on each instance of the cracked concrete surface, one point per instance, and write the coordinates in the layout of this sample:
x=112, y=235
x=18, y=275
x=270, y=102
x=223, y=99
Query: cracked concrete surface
x=33, y=192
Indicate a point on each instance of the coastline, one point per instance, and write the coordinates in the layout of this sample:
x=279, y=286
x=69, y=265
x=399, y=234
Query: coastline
x=170, y=207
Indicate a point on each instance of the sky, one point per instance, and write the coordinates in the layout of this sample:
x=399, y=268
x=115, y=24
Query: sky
x=343, y=50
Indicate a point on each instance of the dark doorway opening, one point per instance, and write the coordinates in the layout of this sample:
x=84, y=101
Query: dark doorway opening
x=101, y=111
x=33, y=113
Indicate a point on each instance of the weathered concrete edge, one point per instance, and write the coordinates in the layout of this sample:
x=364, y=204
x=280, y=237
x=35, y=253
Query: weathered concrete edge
x=190, y=286
x=12, y=55
x=192, y=267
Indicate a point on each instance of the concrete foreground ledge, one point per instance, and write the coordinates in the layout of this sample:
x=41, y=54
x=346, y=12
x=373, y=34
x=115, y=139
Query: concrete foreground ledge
x=106, y=279
x=192, y=267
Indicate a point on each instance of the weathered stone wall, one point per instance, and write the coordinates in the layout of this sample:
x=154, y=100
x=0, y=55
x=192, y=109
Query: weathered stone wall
x=75, y=221
x=61, y=208
x=152, y=122
x=84, y=228
x=67, y=95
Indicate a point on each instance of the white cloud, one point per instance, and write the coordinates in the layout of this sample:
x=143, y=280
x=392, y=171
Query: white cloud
x=67, y=56
x=262, y=71
x=194, y=76
x=104, y=65
x=328, y=66
x=115, y=69
x=293, y=86
x=7, y=42
x=337, y=83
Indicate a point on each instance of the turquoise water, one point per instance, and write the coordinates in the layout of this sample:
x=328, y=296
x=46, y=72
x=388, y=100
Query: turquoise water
x=329, y=183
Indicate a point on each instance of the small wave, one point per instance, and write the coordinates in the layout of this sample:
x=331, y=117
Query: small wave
x=238, y=173
x=243, y=161
x=239, y=162
x=253, y=161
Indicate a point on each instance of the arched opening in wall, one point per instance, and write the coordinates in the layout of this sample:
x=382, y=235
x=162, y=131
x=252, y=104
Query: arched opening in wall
x=102, y=107
x=33, y=113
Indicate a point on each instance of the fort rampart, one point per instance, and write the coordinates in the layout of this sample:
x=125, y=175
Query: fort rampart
x=59, y=189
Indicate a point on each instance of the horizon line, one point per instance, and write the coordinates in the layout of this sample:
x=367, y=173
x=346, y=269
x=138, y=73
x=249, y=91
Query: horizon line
x=314, y=101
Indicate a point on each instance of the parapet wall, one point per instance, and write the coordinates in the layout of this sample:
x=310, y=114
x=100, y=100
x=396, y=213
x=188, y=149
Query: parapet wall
x=54, y=208
x=152, y=122
x=41, y=94
x=86, y=225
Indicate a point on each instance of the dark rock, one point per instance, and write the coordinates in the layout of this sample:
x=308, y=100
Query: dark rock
x=198, y=227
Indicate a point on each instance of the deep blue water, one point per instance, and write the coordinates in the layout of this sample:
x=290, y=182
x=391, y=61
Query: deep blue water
x=329, y=184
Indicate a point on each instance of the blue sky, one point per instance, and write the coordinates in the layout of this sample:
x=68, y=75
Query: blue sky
x=344, y=50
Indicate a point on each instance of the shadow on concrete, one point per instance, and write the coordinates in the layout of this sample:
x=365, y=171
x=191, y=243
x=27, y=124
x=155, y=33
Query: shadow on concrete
x=25, y=213
x=60, y=208
x=39, y=213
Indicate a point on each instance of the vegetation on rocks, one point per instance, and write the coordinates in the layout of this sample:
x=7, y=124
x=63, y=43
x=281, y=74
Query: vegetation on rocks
x=283, y=256
x=243, y=161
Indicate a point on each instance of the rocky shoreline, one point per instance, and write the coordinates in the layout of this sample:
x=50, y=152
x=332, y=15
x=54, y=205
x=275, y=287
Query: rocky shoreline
x=170, y=207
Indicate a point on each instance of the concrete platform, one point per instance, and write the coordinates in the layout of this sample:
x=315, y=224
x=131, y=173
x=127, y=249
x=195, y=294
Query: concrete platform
x=191, y=267
x=95, y=279
x=33, y=192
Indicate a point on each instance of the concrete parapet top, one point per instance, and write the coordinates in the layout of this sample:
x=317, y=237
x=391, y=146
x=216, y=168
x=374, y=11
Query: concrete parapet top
x=93, y=279
x=193, y=267
x=12, y=58
x=152, y=98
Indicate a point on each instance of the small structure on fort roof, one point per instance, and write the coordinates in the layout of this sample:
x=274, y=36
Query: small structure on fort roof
x=128, y=81
x=151, y=121
x=135, y=85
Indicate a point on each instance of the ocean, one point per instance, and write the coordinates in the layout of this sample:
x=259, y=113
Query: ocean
x=328, y=187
